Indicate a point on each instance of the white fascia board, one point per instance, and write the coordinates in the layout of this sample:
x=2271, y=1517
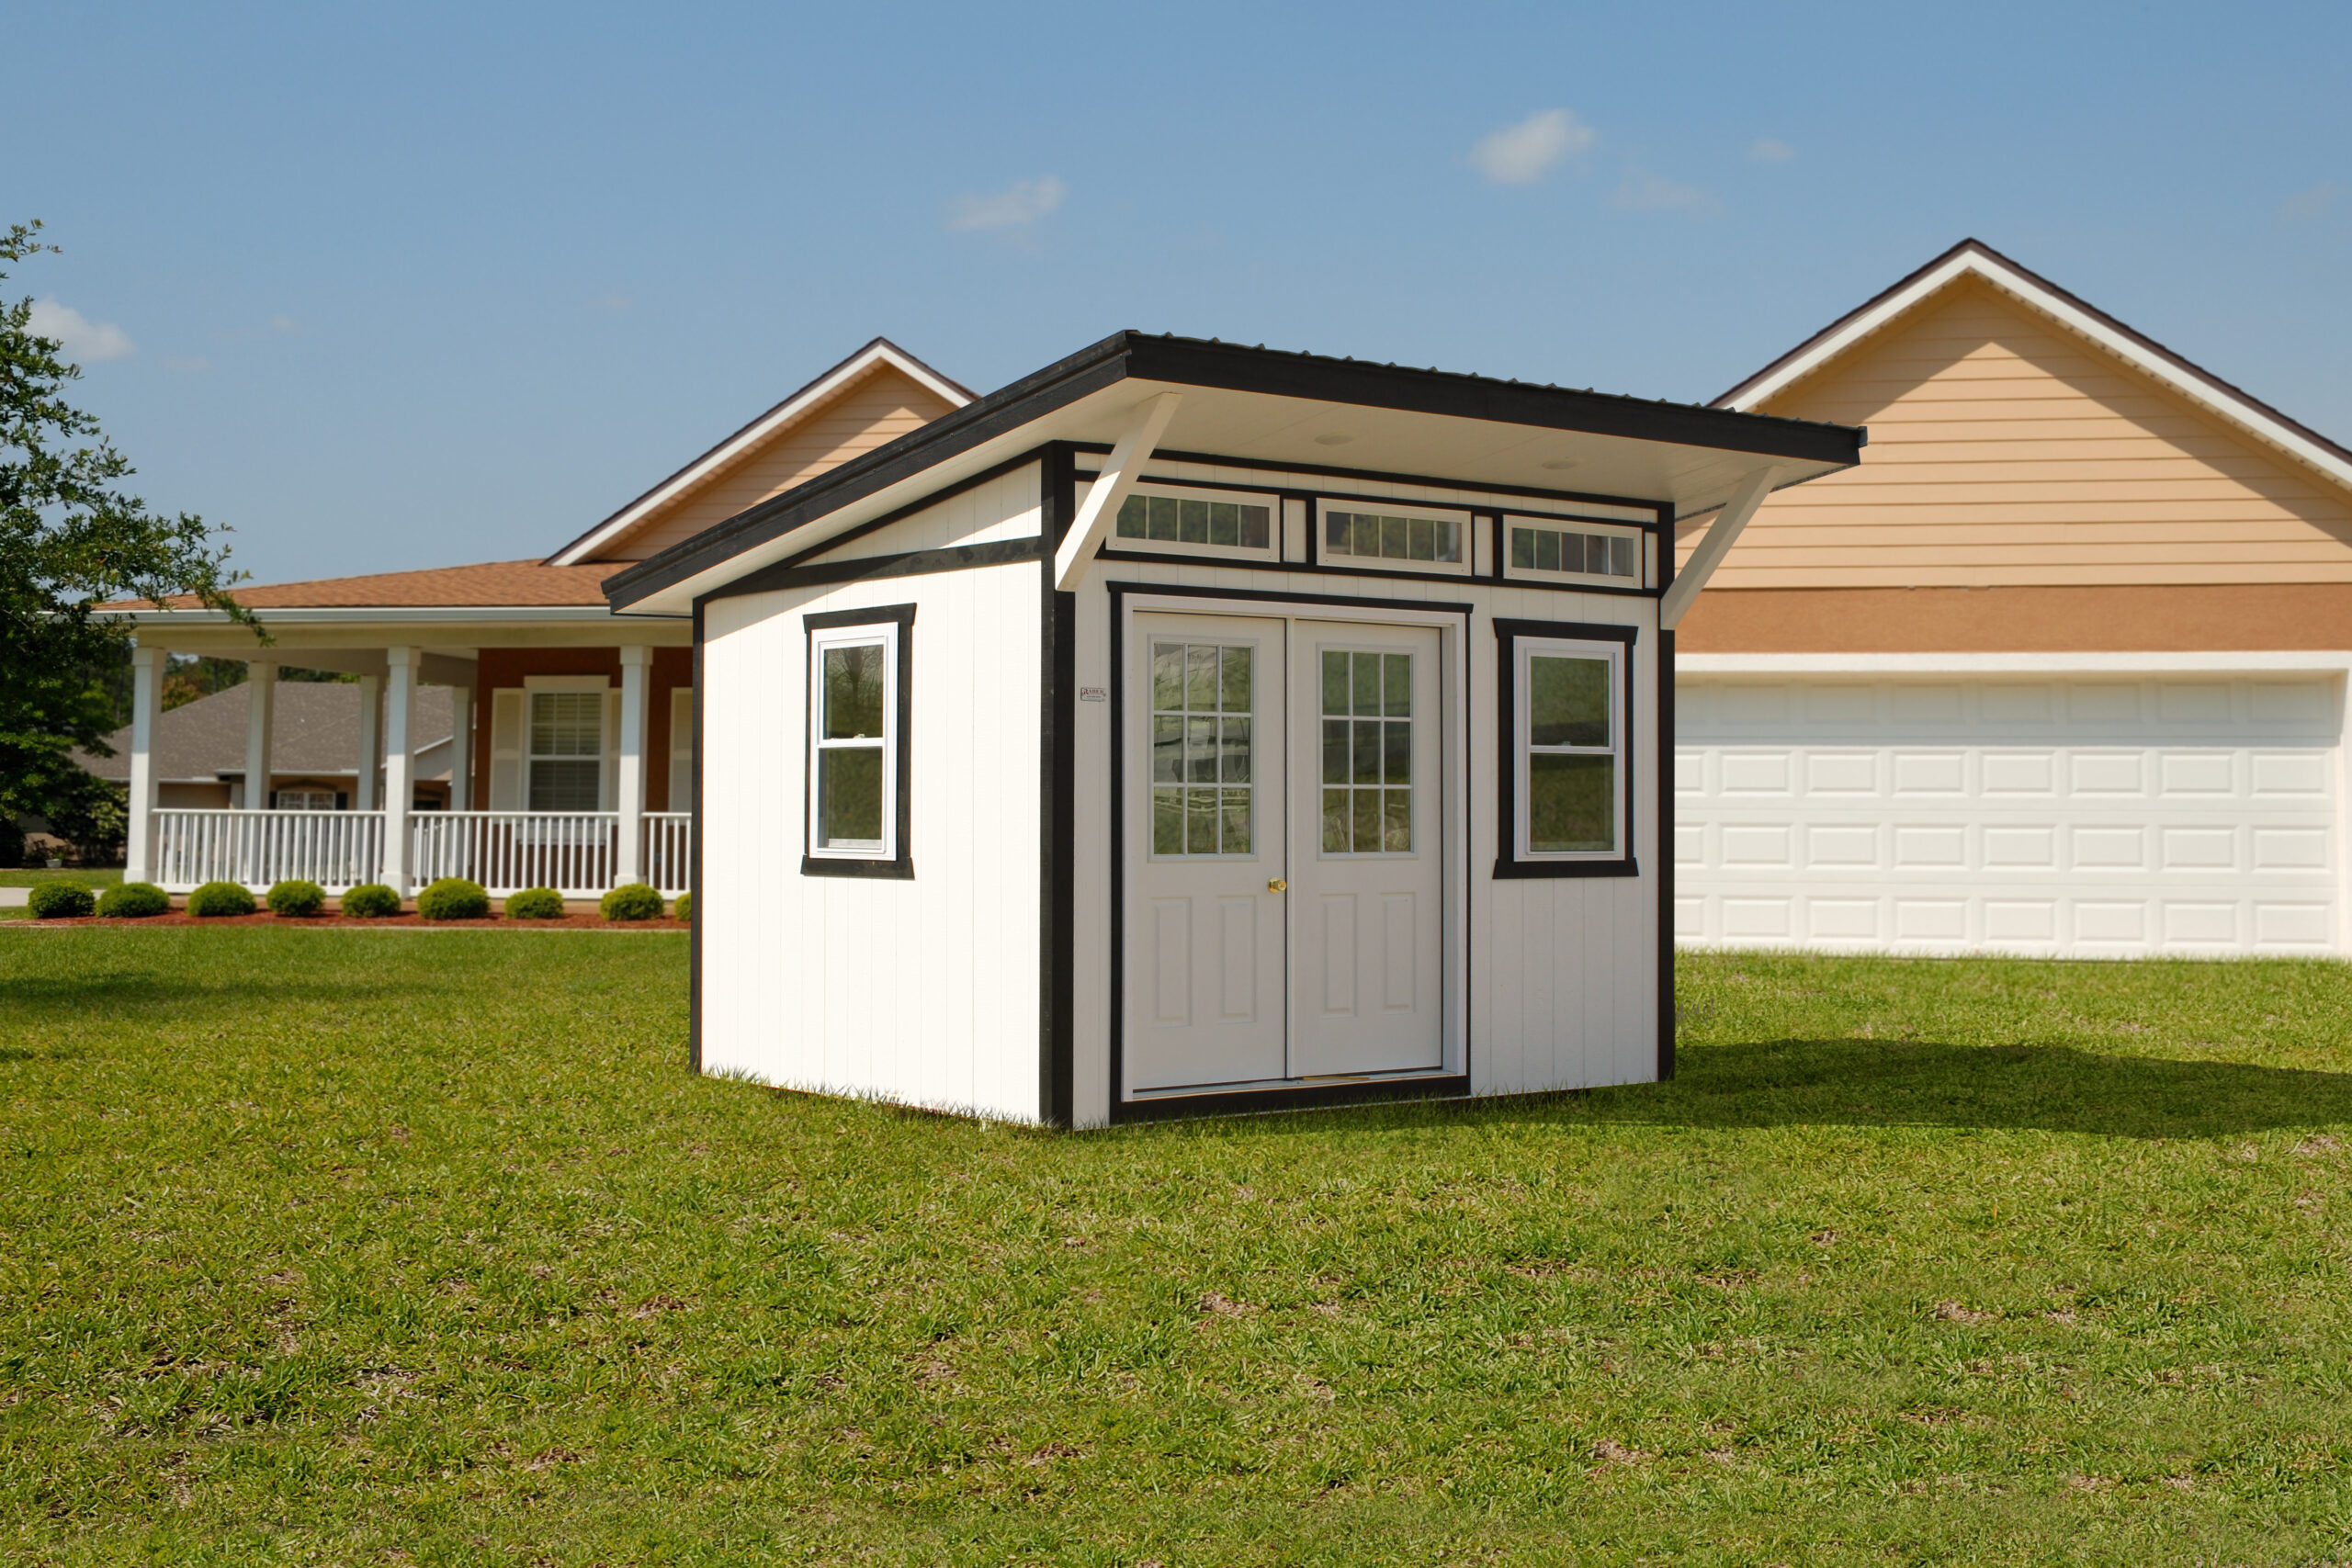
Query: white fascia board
x=2287, y=662
x=751, y=436
x=2254, y=420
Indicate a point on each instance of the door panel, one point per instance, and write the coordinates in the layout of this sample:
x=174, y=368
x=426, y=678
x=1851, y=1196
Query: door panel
x=1205, y=831
x=1368, y=876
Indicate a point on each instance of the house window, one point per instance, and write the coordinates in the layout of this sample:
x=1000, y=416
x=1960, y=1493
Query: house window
x=1565, y=774
x=1169, y=520
x=1388, y=534
x=1542, y=547
x=858, y=713
x=567, y=750
x=303, y=799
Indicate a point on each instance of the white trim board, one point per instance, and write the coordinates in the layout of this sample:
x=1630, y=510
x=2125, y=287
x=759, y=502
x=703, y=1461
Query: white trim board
x=1973, y=260
x=2284, y=664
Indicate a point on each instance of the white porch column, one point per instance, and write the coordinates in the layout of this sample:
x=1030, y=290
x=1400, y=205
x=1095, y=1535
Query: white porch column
x=462, y=747
x=636, y=662
x=400, y=764
x=260, y=712
x=363, y=798
x=146, y=711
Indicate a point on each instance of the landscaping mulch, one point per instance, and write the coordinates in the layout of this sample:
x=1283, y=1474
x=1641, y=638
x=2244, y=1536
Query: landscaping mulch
x=575, y=922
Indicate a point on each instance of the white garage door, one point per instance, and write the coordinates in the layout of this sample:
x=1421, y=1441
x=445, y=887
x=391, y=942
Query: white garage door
x=2098, y=818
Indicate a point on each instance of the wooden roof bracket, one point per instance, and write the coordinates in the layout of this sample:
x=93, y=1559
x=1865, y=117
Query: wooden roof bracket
x=1110, y=490
x=1746, y=497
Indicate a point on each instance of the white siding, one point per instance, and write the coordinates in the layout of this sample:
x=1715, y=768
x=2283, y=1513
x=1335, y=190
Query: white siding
x=923, y=991
x=1005, y=507
x=2090, y=817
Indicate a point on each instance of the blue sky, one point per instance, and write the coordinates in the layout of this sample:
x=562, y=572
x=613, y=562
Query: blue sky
x=417, y=286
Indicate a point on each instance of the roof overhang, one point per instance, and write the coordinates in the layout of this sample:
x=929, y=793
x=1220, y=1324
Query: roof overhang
x=1975, y=259
x=1275, y=408
x=876, y=355
x=458, y=630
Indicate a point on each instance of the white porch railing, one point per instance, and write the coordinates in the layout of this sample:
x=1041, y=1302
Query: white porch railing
x=334, y=849
x=575, y=852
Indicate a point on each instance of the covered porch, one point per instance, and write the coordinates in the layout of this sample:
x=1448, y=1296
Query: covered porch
x=569, y=752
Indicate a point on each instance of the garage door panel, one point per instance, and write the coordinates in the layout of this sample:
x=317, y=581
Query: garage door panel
x=2161, y=816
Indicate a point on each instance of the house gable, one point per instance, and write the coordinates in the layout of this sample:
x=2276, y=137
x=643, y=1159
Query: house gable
x=869, y=399
x=2017, y=438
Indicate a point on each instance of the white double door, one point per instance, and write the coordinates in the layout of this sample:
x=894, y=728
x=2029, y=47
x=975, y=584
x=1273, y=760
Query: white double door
x=1284, y=863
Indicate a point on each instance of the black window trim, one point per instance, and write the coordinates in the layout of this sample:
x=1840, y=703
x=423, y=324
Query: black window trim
x=1509, y=863
x=901, y=867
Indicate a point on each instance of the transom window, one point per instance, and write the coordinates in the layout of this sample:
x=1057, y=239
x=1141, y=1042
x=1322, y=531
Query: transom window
x=1367, y=752
x=1391, y=535
x=567, y=754
x=1203, y=705
x=1589, y=550
x=1185, y=519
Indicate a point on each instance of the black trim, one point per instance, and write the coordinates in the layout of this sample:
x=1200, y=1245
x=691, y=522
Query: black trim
x=1290, y=1097
x=1191, y=361
x=694, y=884
x=902, y=867
x=1508, y=865
x=1666, y=1019
x=1057, y=827
x=1328, y=570
x=1298, y=1097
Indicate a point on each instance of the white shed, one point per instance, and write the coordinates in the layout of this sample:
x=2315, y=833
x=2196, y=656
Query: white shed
x=1189, y=727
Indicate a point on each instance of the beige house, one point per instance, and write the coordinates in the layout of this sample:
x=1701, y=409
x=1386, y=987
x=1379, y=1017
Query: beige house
x=2058, y=668
x=570, y=729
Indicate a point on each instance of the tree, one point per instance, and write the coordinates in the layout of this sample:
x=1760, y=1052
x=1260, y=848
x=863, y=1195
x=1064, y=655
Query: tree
x=71, y=541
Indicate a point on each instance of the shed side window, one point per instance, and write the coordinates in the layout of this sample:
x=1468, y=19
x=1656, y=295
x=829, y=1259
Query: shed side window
x=858, y=712
x=1566, y=784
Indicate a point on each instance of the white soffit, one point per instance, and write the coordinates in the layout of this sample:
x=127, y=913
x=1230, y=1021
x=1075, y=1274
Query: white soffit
x=878, y=353
x=1973, y=260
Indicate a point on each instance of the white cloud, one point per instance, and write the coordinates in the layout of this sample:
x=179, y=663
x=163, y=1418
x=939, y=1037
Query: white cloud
x=1765, y=150
x=83, y=339
x=282, y=325
x=1015, y=207
x=2303, y=206
x=1645, y=192
x=1520, y=154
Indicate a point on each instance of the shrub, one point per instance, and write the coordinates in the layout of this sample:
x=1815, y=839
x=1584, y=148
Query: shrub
x=632, y=902
x=60, y=901
x=134, y=901
x=686, y=906
x=535, y=904
x=453, y=898
x=296, y=899
x=216, y=899
x=370, y=901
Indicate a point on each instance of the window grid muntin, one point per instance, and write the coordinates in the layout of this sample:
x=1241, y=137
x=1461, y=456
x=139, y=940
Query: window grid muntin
x=865, y=762
x=1608, y=656
x=1203, y=731
x=1365, y=718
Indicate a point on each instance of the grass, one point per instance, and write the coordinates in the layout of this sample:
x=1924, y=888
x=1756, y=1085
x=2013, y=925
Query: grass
x=35, y=876
x=327, y=1246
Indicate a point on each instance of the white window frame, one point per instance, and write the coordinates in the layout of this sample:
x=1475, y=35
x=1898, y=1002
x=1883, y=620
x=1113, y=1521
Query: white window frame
x=1148, y=489
x=1645, y=558
x=885, y=635
x=535, y=687
x=1320, y=526
x=1524, y=651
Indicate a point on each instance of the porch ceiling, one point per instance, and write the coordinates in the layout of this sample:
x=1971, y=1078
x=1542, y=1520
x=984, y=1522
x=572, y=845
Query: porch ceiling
x=1278, y=408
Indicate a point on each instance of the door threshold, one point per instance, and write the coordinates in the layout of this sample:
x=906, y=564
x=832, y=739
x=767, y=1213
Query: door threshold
x=1270, y=1086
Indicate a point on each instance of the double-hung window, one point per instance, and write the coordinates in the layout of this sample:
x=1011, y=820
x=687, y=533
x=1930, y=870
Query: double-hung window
x=858, y=772
x=566, y=762
x=1566, y=693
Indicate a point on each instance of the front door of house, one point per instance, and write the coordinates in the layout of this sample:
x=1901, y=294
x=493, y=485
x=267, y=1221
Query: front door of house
x=1282, y=852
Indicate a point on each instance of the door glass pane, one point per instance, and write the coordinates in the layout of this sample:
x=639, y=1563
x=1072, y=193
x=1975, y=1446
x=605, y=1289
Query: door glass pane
x=1200, y=678
x=1167, y=749
x=1337, y=839
x=1202, y=737
x=1567, y=701
x=1237, y=822
x=1200, y=822
x=1168, y=677
x=1200, y=751
x=854, y=691
x=849, y=796
x=1367, y=752
x=1168, y=821
x=1396, y=684
x=1335, y=682
x=1571, y=803
x=1234, y=765
x=1367, y=683
x=1396, y=819
x=1334, y=751
x=1235, y=662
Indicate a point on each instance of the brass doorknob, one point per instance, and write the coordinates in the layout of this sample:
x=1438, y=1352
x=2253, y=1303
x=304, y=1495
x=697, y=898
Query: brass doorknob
x=1278, y=886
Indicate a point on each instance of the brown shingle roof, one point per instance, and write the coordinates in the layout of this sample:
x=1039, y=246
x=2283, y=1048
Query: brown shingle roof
x=315, y=730
x=492, y=584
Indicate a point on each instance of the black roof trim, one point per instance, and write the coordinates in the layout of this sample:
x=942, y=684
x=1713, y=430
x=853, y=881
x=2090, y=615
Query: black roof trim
x=1198, y=362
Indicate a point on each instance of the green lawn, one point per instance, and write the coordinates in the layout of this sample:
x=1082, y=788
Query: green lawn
x=352, y=1247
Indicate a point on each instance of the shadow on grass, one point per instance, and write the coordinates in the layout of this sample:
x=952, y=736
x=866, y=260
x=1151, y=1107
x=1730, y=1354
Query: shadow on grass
x=1881, y=1083
x=34, y=996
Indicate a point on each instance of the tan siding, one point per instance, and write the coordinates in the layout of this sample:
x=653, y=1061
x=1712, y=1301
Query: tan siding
x=2005, y=451
x=878, y=408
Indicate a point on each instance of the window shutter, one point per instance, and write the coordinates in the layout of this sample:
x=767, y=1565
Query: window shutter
x=608, y=777
x=682, y=749
x=506, y=718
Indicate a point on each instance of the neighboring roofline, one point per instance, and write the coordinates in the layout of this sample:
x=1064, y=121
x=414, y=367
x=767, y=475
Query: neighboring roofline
x=880, y=351
x=1198, y=362
x=340, y=614
x=1974, y=258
